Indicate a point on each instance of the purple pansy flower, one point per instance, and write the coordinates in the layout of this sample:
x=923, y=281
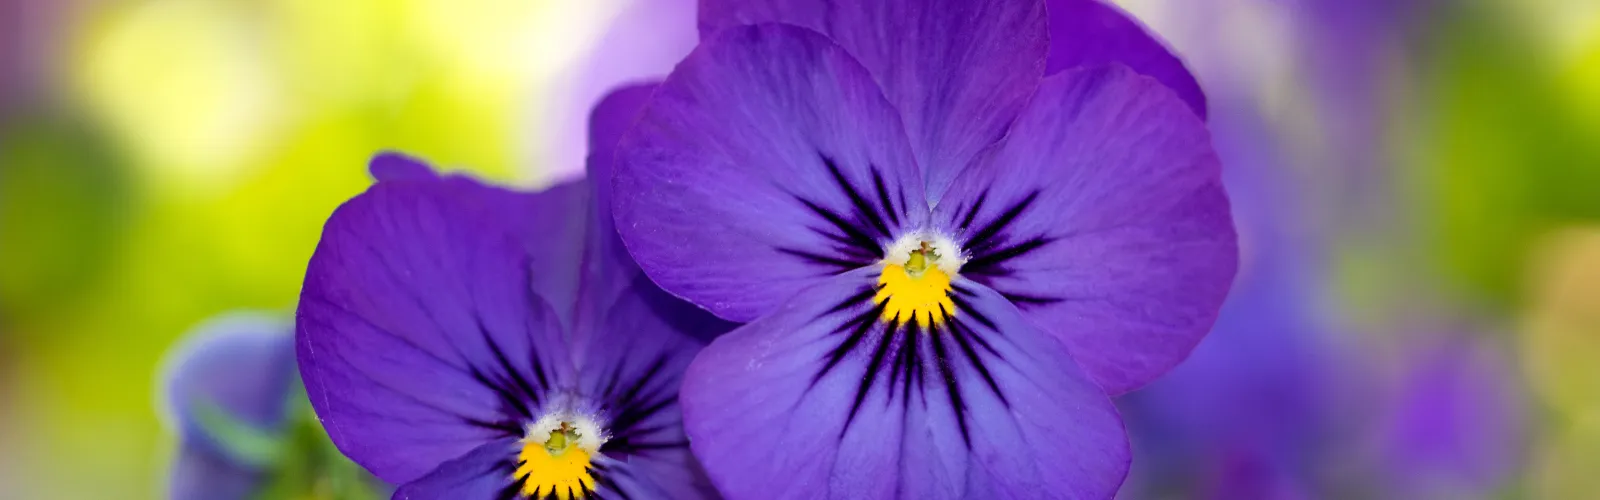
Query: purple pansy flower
x=241, y=367
x=453, y=342
x=929, y=238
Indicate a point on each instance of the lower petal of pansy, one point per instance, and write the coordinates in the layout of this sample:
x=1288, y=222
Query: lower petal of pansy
x=767, y=161
x=828, y=398
x=1102, y=216
x=1094, y=32
x=492, y=471
x=419, y=336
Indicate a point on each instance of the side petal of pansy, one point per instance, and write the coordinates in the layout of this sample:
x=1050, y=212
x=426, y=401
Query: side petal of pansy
x=550, y=224
x=828, y=398
x=631, y=360
x=958, y=71
x=1102, y=216
x=419, y=335
x=1095, y=33
x=766, y=162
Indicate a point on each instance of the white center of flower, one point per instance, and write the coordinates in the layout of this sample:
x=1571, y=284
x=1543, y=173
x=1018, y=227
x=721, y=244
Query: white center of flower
x=938, y=249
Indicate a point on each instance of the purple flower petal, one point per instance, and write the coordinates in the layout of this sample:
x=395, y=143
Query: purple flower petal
x=483, y=472
x=550, y=224
x=1102, y=215
x=242, y=364
x=730, y=188
x=201, y=474
x=631, y=358
x=959, y=71
x=397, y=166
x=607, y=269
x=822, y=399
x=1455, y=426
x=419, y=335
x=1094, y=33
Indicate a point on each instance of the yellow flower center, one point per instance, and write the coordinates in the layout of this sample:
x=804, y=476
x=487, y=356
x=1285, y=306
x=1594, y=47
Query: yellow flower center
x=916, y=291
x=557, y=465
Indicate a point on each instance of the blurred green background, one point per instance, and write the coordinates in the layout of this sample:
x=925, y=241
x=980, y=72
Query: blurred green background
x=166, y=161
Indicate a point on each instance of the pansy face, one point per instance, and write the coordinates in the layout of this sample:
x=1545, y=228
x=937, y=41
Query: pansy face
x=433, y=359
x=946, y=260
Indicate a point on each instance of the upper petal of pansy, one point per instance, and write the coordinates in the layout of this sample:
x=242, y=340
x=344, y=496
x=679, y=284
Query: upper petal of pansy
x=607, y=269
x=1103, y=217
x=767, y=161
x=1094, y=33
x=959, y=71
x=549, y=223
x=824, y=399
x=419, y=336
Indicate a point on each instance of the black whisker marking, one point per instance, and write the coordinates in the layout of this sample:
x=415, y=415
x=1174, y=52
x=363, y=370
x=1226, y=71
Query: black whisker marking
x=966, y=307
x=842, y=264
x=511, y=372
x=858, y=238
x=952, y=386
x=871, y=374
x=988, y=262
x=972, y=212
x=883, y=197
x=864, y=322
x=854, y=300
x=960, y=332
x=859, y=202
x=984, y=238
x=1022, y=300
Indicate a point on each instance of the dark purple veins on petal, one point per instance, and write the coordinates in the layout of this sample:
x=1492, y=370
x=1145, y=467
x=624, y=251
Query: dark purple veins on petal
x=637, y=399
x=991, y=246
x=519, y=396
x=859, y=232
x=904, y=358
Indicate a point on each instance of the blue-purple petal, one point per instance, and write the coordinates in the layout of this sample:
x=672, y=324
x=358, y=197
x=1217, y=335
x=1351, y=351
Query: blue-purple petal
x=484, y=472
x=1095, y=32
x=419, y=334
x=807, y=403
x=201, y=473
x=958, y=71
x=1103, y=217
x=240, y=364
x=736, y=187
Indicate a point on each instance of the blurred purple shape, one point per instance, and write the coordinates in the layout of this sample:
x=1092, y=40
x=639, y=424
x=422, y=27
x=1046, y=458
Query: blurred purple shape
x=243, y=365
x=643, y=44
x=1455, y=427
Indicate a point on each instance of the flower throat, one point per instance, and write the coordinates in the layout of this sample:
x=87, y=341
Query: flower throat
x=916, y=290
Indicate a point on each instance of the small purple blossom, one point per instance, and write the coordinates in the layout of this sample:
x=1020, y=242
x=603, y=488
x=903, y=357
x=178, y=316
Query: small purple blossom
x=240, y=366
x=466, y=341
x=947, y=257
